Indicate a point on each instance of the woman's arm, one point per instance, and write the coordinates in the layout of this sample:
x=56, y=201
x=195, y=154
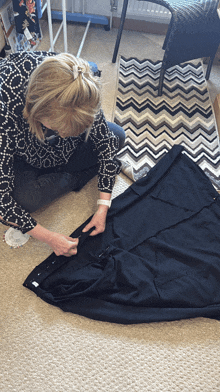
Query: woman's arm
x=107, y=146
x=61, y=244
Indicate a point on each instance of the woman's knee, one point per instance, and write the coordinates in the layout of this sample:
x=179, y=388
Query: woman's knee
x=118, y=131
x=43, y=191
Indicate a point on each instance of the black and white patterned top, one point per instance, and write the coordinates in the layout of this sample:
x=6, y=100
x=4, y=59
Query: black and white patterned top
x=16, y=139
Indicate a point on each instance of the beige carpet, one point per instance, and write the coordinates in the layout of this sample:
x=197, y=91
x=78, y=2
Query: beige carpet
x=46, y=350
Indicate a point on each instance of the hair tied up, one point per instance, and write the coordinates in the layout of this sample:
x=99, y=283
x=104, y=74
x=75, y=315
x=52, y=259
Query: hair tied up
x=76, y=71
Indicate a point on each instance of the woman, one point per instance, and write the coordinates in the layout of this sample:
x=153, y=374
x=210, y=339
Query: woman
x=43, y=91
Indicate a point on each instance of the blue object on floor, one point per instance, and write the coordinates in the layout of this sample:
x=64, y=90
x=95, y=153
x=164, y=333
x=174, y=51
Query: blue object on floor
x=82, y=18
x=94, y=68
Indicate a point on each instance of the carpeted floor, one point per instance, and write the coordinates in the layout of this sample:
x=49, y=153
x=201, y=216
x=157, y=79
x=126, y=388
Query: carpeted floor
x=46, y=350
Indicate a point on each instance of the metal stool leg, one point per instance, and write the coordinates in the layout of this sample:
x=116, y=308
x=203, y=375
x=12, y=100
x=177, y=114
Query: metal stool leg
x=123, y=15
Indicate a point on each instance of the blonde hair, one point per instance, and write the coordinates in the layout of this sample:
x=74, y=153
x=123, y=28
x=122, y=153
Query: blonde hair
x=63, y=90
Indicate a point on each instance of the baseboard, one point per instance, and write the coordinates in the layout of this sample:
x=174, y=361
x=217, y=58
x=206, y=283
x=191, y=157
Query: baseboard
x=135, y=25
x=142, y=26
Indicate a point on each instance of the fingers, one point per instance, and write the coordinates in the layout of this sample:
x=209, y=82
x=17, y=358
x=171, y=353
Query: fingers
x=66, y=255
x=73, y=244
x=87, y=227
x=72, y=248
x=72, y=240
x=97, y=229
x=70, y=252
x=95, y=232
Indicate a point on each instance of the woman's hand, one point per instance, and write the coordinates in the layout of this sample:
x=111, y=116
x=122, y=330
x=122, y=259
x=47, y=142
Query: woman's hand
x=98, y=221
x=67, y=246
x=62, y=244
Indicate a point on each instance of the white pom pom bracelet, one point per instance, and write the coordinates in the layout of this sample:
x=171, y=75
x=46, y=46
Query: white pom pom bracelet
x=104, y=202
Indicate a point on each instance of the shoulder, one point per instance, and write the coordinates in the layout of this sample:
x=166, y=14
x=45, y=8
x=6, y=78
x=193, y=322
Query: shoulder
x=99, y=119
x=22, y=63
x=15, y=71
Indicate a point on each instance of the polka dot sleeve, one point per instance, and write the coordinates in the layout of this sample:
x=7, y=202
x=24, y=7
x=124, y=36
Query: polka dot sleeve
x=10, y=211
x=15, y=71
x=107, y=145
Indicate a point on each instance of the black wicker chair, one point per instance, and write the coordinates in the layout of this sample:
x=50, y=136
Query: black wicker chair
x=193, y=32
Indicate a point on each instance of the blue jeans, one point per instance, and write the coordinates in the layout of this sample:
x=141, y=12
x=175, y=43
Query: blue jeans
x=86, y=157
x=34, y=188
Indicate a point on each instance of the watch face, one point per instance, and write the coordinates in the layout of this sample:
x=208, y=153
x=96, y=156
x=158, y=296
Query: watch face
x=15, y=238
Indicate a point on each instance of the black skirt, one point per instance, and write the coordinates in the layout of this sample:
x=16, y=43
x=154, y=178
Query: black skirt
x=158, y=259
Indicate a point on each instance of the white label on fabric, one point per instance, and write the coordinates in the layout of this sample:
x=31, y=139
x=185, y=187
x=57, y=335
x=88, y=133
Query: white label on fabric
x=35, y=284
x=27, y=34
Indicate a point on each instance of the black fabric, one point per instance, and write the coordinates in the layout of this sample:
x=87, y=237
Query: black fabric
x=158, y=259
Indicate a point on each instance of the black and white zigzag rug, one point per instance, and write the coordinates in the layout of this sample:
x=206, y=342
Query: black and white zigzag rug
x=182, y=115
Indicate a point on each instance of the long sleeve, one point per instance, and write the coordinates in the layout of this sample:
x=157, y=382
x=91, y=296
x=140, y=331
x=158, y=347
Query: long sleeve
x=106, y=144
x=15, y=137
x=10, y=211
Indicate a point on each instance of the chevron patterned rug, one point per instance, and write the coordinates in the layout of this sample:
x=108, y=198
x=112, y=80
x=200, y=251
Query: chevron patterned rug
x=182, y=115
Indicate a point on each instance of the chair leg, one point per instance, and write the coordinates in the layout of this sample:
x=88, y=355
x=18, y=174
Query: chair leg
x=170, y=27
x=209, y=67
x=123, y=15
x=162, y=73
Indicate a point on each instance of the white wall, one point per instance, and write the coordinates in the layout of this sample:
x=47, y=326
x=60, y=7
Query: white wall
x=97, y=7
x=136, y=9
